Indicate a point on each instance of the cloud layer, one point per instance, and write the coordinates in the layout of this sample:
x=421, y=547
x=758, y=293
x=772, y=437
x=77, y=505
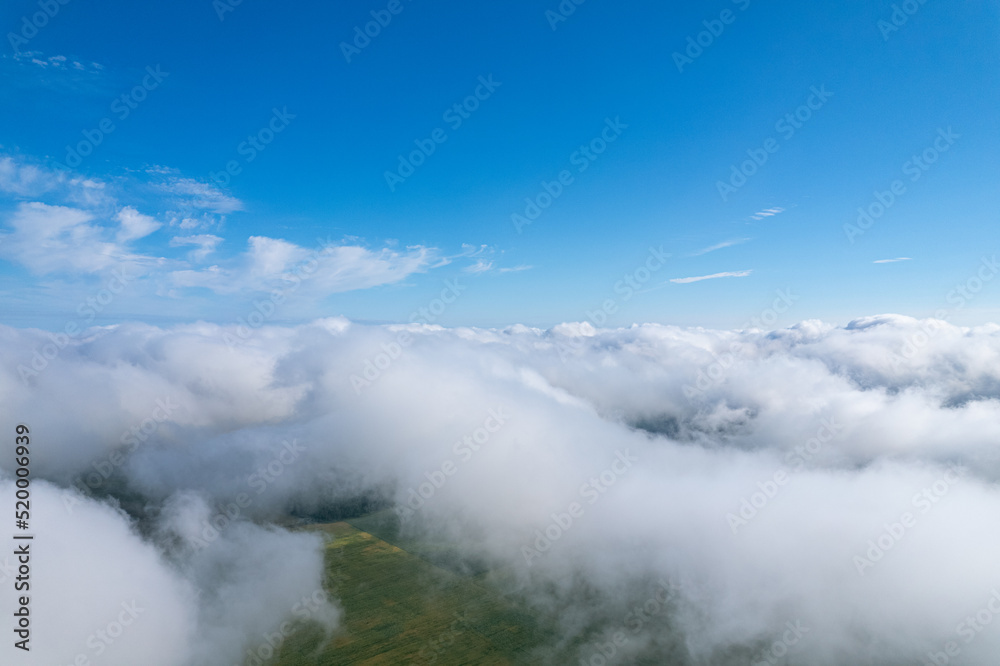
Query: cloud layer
x=837, y=480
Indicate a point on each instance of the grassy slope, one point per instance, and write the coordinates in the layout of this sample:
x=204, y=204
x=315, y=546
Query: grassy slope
x=401, y=609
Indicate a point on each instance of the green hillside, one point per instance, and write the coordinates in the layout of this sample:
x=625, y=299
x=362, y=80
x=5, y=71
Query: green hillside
x=402, y=609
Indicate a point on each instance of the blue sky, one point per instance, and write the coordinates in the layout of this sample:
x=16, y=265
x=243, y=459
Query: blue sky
x=331, y=121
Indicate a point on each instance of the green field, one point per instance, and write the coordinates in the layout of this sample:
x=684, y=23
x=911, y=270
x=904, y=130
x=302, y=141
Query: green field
x=401, y=607
x=408, y=602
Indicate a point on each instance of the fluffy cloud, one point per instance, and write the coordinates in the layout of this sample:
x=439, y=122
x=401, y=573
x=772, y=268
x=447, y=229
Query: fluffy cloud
x=78, y=228
x=102, y=593
x=840, y=479
x=25, y=179
x=329, y=268
x=48, y=239
x=97, y=588
x=134, y=225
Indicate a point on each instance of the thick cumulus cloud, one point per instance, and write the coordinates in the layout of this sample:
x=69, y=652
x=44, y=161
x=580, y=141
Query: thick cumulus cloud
x=818, y=494
x=101, y=593
x=96, y=589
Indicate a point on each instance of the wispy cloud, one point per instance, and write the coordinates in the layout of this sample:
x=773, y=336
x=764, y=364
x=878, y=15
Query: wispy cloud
x=26, y=180
x=270, y=263
x=58, y=62
x=699, y=278
x=33, y=70
x=200, y=195
x=891, y=261
x=719, y=246
x=87, y=230
x=485, y=256
x=60, y=239
x=480, y=266
x=484, y=266
x=767, y=212
x=470, y=250
x=204, y=244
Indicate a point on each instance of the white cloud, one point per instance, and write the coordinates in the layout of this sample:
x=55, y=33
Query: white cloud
x=480, y=266
x=91, y=583
x=767, y=212
x=57, y=62
x=861, y=419
x=469, y=250
x=891, y=261
x=719, y=246
x=26, y=180
x=349, y=267
x=134, y=225
x=485, y=261
x=273, y=263
x=269, y=257
x=205, y=244
x=713, y=276
x=200, y=196
x=48, y=239
x=156, y=600
x=89, y=232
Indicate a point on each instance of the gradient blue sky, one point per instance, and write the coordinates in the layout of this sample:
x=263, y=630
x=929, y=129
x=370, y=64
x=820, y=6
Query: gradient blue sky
x=144, y=198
